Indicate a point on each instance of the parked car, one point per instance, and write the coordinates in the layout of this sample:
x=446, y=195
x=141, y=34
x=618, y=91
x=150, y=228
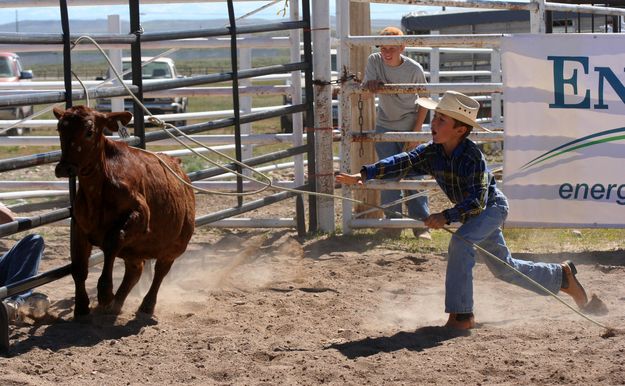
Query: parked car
x=11, y=70
x=160, y=68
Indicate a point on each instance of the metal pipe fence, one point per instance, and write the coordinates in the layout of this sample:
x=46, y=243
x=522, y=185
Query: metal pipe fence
x=135, y=39
x=433, y=45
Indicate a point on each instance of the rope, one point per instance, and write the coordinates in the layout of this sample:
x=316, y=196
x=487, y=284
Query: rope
x=83, y=87
x=259, y=9
x=154, y=120
x=268, y=185
x=495, y=258
x=530, y=280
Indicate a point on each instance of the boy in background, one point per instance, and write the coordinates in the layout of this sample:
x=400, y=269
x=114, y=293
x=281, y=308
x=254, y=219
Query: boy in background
x=397, y=112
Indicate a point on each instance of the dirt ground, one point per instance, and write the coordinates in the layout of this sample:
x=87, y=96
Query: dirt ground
x=252, y=307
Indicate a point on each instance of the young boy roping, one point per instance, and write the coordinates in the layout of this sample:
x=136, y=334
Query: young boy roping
x=460, y=169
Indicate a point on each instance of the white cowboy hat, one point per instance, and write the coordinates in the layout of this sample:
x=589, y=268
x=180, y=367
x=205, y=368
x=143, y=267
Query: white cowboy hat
x=456, y=105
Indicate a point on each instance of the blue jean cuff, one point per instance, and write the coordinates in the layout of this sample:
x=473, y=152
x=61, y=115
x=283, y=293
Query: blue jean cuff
x=463, y=311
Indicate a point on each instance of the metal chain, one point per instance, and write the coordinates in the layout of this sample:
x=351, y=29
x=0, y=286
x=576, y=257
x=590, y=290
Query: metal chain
x=361, y=151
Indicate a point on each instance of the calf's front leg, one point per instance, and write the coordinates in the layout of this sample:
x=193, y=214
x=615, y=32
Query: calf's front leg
x=80, y=252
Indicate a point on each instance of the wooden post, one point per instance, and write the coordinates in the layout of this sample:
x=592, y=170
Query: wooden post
x=360, y=24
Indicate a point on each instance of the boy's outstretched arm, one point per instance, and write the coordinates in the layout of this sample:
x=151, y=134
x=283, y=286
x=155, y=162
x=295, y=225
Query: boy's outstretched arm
x=349, y=179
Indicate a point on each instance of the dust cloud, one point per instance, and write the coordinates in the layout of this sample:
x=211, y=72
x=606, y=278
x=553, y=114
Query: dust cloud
x=234, y=264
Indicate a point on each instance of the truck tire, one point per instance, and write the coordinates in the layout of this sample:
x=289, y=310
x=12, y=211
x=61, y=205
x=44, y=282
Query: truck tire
x=18, y=130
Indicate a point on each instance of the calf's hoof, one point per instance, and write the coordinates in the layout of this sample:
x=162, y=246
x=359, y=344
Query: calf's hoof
x=104, y=300
x=82, y=318
x=113, y=308
x=81, y=310
x=146, y=309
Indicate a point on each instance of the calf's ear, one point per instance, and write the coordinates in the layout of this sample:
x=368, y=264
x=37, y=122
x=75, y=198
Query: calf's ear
x=58, y=112
x=111, y=119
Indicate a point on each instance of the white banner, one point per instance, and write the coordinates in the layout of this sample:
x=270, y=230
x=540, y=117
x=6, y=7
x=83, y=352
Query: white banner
x=564, y=158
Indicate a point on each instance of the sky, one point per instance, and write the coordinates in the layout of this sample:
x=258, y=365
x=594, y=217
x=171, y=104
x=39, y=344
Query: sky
x=189, y=11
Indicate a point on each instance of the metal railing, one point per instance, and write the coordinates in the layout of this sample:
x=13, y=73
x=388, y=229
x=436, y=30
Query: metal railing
x=433, y=45
x=68, y=95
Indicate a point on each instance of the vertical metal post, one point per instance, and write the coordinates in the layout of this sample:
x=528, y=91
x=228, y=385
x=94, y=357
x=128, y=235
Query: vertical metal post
x=309, y=124
x=324, y=171
x=137, y=72
x=300, y=216
x=537, y=17
x=495, y=77
x=296, y=95
x=435, y=67
x=235, y=95
x=579, y=22
x=592, y=21
x=245, y=61
x=549, y=22
x=345, y=110
x=67, y=75
x=67, y=54
x=4, y=331
x=115, y=54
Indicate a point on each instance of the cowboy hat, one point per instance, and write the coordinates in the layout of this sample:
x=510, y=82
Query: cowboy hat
x=456, y=105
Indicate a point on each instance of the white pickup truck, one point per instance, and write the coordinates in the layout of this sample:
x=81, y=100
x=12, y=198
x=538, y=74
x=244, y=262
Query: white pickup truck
x=11, y=70
x=160, y=68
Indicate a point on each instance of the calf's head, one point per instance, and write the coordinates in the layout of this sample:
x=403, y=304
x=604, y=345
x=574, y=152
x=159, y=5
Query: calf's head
x=82, y=140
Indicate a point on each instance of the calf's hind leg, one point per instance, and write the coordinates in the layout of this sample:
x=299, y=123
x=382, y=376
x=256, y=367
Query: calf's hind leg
x=161, y=269
x=121, y=233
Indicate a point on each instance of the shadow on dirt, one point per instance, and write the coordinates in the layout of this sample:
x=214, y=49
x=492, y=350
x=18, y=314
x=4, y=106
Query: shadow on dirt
x=419, y=340
x=337, y=244
x=60, y=334
x=615, y=258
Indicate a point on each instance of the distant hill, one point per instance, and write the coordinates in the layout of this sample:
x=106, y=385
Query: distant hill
x=101, y=25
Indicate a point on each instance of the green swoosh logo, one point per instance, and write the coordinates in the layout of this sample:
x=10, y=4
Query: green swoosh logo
x=563, y=149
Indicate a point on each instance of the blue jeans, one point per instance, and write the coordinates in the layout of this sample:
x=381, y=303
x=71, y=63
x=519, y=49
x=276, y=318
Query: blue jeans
x=21, y=262
x=485, y=231
x=417, y=207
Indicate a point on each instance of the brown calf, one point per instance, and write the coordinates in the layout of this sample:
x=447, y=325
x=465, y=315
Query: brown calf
x=127, y=203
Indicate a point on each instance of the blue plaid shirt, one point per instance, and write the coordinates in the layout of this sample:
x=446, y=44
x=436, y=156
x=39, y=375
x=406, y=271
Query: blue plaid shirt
x=463, y=177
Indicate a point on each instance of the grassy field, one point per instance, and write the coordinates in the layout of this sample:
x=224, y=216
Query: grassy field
x=519, y=240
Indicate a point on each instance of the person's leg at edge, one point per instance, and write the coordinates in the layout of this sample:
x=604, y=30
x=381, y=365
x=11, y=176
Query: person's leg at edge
x=21, y=262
